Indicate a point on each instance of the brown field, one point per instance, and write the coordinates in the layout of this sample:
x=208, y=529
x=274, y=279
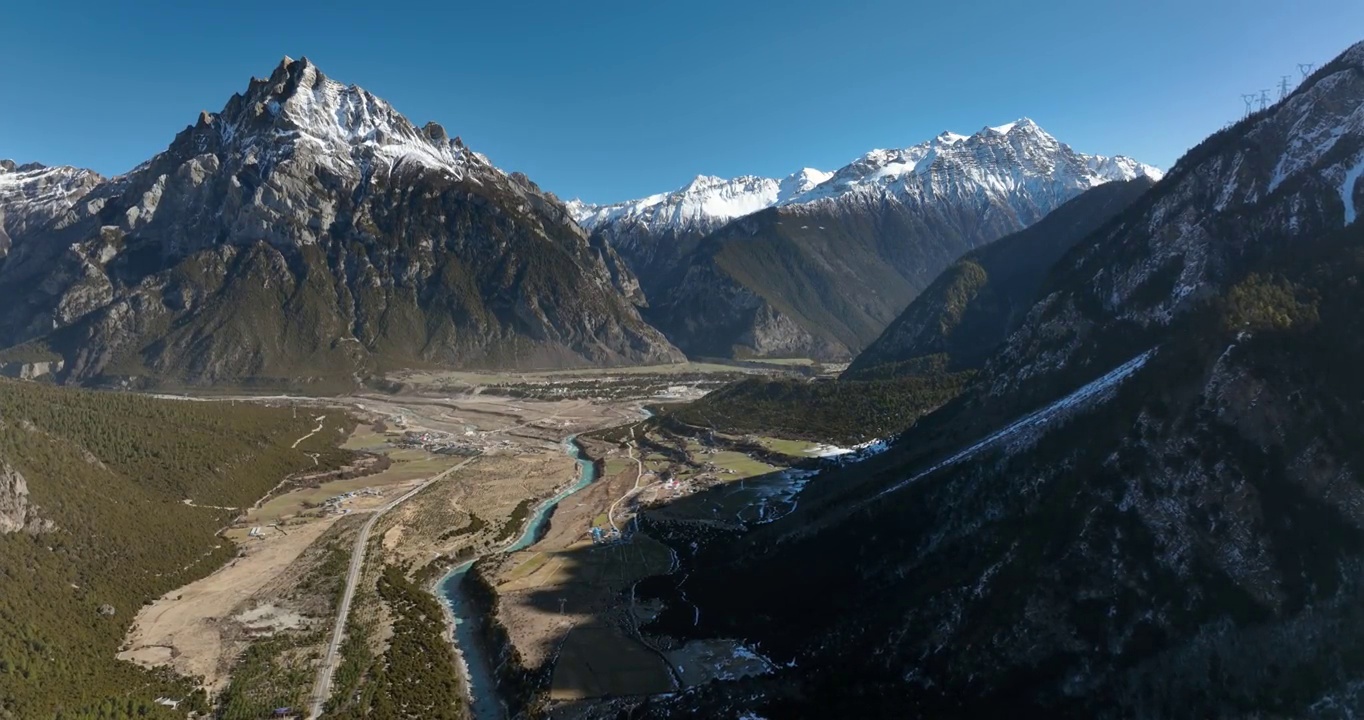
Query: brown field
x=304, y=504
x=185, y=628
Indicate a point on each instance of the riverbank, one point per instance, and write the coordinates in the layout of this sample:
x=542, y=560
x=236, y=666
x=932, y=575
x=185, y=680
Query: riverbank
x=472, y=615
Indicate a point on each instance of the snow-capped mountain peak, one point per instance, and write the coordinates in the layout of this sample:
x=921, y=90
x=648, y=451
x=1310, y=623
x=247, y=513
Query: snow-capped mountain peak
x=1017, y=162
x=801, y=182
x=343, y=126
x=1023, y=124
x=702, y=204
x=1016, y=157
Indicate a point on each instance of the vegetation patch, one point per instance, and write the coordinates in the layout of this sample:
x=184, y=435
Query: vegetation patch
x=517, y=519
x=825, y=411
x=273, y=673
x=107, y=475
x=417, y=676
x=475, y=524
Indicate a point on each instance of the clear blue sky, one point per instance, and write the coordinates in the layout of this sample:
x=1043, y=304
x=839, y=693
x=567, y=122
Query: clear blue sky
x=613, y=100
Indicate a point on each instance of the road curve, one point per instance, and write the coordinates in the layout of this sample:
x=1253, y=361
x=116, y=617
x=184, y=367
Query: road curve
x=322, y=686
x=611, y=511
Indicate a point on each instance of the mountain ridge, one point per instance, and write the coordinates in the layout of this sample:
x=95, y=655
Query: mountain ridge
x=696, y=205
x=979, y=299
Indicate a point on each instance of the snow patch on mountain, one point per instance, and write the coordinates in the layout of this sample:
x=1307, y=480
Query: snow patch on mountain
x=1026, y=430
x=33, y=195
x=1347, y=190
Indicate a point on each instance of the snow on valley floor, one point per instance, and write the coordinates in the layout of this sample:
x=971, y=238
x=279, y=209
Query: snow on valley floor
x=701, y=661
x=777, y=496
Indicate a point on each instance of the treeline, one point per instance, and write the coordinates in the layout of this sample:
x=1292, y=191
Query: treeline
x=107, y=474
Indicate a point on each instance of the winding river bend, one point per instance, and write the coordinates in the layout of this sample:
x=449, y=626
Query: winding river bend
x=486, y=705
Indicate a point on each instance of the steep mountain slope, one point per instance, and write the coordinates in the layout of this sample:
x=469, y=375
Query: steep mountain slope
x=34, y=195
x=309, y=230
x=1148, y=503
x=974, y=304
x=821, y=273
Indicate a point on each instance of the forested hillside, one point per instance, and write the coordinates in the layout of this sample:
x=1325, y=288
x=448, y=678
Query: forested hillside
x=93, y=524
x=844, y=411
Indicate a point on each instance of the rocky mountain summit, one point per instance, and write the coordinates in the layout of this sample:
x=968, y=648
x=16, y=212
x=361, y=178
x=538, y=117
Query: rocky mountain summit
x=310, y=230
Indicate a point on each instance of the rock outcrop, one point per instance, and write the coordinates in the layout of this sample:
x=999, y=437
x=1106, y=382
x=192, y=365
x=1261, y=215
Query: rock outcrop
x=16, y=513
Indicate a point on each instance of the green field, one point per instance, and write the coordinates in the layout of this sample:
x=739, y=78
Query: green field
x=797, y=362
x=586, y=569
x=364, y=438
x=494, y=378
x=794, y=448
x=616, y=466
x=742, y=465
x=530, y=565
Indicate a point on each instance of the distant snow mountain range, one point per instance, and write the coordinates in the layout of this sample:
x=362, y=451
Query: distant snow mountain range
x=1018, y=159
x=704, y=203
x=816, y=264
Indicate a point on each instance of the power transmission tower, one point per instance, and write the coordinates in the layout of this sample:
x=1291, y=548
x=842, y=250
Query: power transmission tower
x=1283, y=86
x=1306, y=69
x=1264, y=99
x=1249, y=100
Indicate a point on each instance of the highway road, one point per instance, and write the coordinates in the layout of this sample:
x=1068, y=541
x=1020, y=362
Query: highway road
x=322, y=686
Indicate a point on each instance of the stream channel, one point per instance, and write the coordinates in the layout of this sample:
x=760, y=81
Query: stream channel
x=478, y=666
